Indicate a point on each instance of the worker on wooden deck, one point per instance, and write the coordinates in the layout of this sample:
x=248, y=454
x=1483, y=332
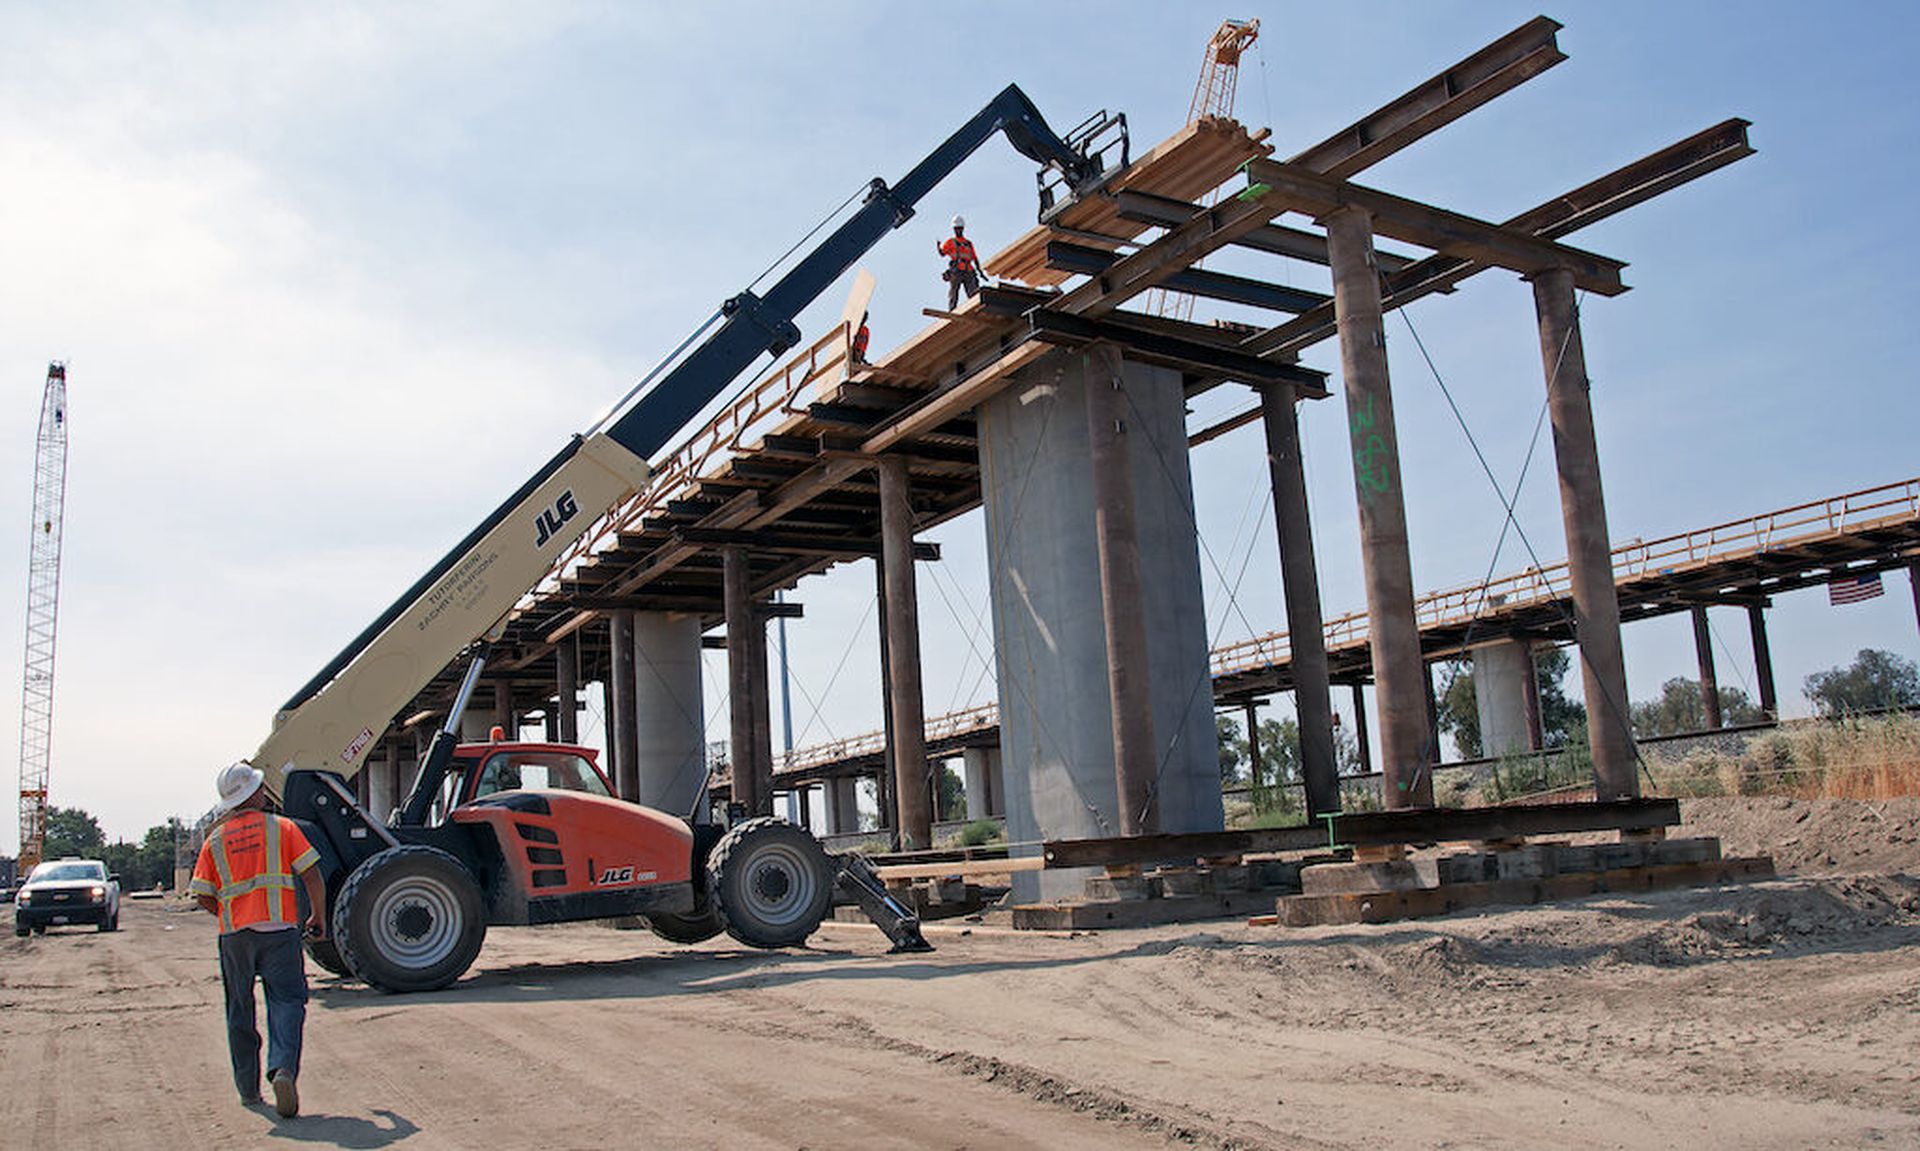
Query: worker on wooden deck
x=860, y=339
x=963, y=264
x=245, y=876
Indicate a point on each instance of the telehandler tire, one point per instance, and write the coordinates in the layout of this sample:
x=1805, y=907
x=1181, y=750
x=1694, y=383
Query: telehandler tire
x=410, y=919
x=770, y=882
x=326, y=954
x=687, y=928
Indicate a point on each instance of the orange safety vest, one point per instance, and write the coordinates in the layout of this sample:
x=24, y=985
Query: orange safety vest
x=959, y=252
x=249, y=864
x=860, y=343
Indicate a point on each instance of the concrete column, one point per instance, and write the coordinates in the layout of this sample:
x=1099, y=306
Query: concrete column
x=741, y=679
x=382, y=774
x=1763, y=660
x=1400, y=685
x=622, y=741
x=997, y=784
x=671, y=743
x=883, y=787
x=503, y=717
x=1360, y=734
x=842, y=805
x=909, y=730
x=1500, y=674
x=977, y=770
x=762, y=719
x=1300, y=582
x=1253, y=743
x=1051, y=637
x=566, y=667
x=1122, y=598
x=1536, y=720
x=1913, y=582
x=1583, y=510
x=1703, y=652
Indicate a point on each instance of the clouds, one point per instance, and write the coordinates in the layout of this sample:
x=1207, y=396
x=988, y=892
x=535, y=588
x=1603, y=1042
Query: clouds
x=332, y=281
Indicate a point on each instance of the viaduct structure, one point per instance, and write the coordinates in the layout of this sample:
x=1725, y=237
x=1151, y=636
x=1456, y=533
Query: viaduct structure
x=1061, y=411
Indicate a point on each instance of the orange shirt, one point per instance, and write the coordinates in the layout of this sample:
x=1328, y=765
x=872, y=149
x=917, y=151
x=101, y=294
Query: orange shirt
x=248, y=863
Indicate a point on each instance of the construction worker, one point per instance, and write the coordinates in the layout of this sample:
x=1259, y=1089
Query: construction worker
x=963, y=264
x=860, y=340
x=245, y=876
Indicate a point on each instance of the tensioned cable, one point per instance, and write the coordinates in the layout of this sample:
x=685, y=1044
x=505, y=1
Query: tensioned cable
x=1616, y=707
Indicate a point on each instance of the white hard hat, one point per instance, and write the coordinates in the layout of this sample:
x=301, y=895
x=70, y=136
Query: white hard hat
x=238, y=781
x=959, y=221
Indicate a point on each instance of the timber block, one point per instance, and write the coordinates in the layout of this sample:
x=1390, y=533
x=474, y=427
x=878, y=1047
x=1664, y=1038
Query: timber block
x=1122, y=887
x=1092, y=916
x=1179, y=881
x=1389, y=875
x=1534, y=862
x=1418, y=903
x=1470, y=867
x=1695, y=849
x=1615, y=856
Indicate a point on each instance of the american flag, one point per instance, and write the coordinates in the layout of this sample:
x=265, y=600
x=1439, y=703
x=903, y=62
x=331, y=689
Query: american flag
x=1853, y=589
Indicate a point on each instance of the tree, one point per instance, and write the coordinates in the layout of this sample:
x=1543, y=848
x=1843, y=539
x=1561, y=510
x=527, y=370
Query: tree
x=71, y=831
x=1562, y=719
x=951, y=801
x=1680, y=709
x=1233, y=750
x=1875, y=679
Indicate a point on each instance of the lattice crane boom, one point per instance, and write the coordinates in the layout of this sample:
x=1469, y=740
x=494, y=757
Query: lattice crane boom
x=1212, y=96
x=1220, y=70
x=43, y=604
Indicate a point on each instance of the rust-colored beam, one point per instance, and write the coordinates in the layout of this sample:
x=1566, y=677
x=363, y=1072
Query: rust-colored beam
x=1501, y=66
x=1631, y=184
x=1450, y=233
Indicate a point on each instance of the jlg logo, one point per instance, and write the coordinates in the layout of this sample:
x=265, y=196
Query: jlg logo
x=548, y=523
x=617, y=875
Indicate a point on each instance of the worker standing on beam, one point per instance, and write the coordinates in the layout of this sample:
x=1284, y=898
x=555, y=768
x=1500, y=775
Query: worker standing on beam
x=245, y=876
x=860, y=339
x=963, y=264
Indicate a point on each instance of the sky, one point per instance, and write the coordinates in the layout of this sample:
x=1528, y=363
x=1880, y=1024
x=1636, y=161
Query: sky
x=331, y=281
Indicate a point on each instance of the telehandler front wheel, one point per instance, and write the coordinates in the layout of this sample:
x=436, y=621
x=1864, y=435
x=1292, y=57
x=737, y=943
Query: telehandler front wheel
x=771, y=882
x=410, y=919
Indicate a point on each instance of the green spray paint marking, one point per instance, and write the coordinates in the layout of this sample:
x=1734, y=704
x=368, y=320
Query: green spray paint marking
x=1370, y=453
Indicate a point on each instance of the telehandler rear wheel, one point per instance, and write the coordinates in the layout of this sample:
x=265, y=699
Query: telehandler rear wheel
x=687, y=928
x=410, y=919
x=770, y=882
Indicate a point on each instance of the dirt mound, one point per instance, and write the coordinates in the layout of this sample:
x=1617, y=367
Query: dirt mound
x=1827, y=916
x=1814, y=836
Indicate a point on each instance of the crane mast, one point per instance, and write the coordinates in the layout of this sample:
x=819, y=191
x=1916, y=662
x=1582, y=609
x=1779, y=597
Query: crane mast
x=43, y=604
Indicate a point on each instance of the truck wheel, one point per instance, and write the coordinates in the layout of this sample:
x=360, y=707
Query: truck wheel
x=410, y=919
x=687, y=928
x=770, y=883
x=325, y=953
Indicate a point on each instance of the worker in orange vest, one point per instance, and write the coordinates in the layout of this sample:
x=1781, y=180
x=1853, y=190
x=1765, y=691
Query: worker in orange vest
x=860, y=341
x=245, y=876
x=963, y=264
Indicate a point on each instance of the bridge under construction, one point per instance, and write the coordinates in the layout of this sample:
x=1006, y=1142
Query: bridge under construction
x=1050, y=403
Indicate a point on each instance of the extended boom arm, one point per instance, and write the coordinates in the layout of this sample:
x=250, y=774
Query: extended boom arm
x=330, y=724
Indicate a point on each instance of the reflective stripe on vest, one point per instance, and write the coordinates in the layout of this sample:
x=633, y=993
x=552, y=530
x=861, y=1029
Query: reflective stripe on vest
x=962, y=256
x=265, y=896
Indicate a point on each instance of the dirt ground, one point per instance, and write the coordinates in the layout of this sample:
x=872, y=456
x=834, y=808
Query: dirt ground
x=1784, y=1014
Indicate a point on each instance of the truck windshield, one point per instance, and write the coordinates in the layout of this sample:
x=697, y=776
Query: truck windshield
x=68, y=872
x=528, y=770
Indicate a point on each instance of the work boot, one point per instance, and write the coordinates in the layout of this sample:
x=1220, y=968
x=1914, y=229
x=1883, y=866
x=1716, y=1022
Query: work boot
x=286, y=1097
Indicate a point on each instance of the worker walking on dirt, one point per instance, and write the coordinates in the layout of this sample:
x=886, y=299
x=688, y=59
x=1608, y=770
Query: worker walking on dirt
x=963, y=264
x=245, y=876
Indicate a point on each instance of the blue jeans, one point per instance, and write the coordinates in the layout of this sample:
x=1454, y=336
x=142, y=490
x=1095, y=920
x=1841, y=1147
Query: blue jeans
x=275, y=958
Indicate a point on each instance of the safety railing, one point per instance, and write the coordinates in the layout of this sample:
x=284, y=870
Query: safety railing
x=1638, y=559
x=780, y=394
